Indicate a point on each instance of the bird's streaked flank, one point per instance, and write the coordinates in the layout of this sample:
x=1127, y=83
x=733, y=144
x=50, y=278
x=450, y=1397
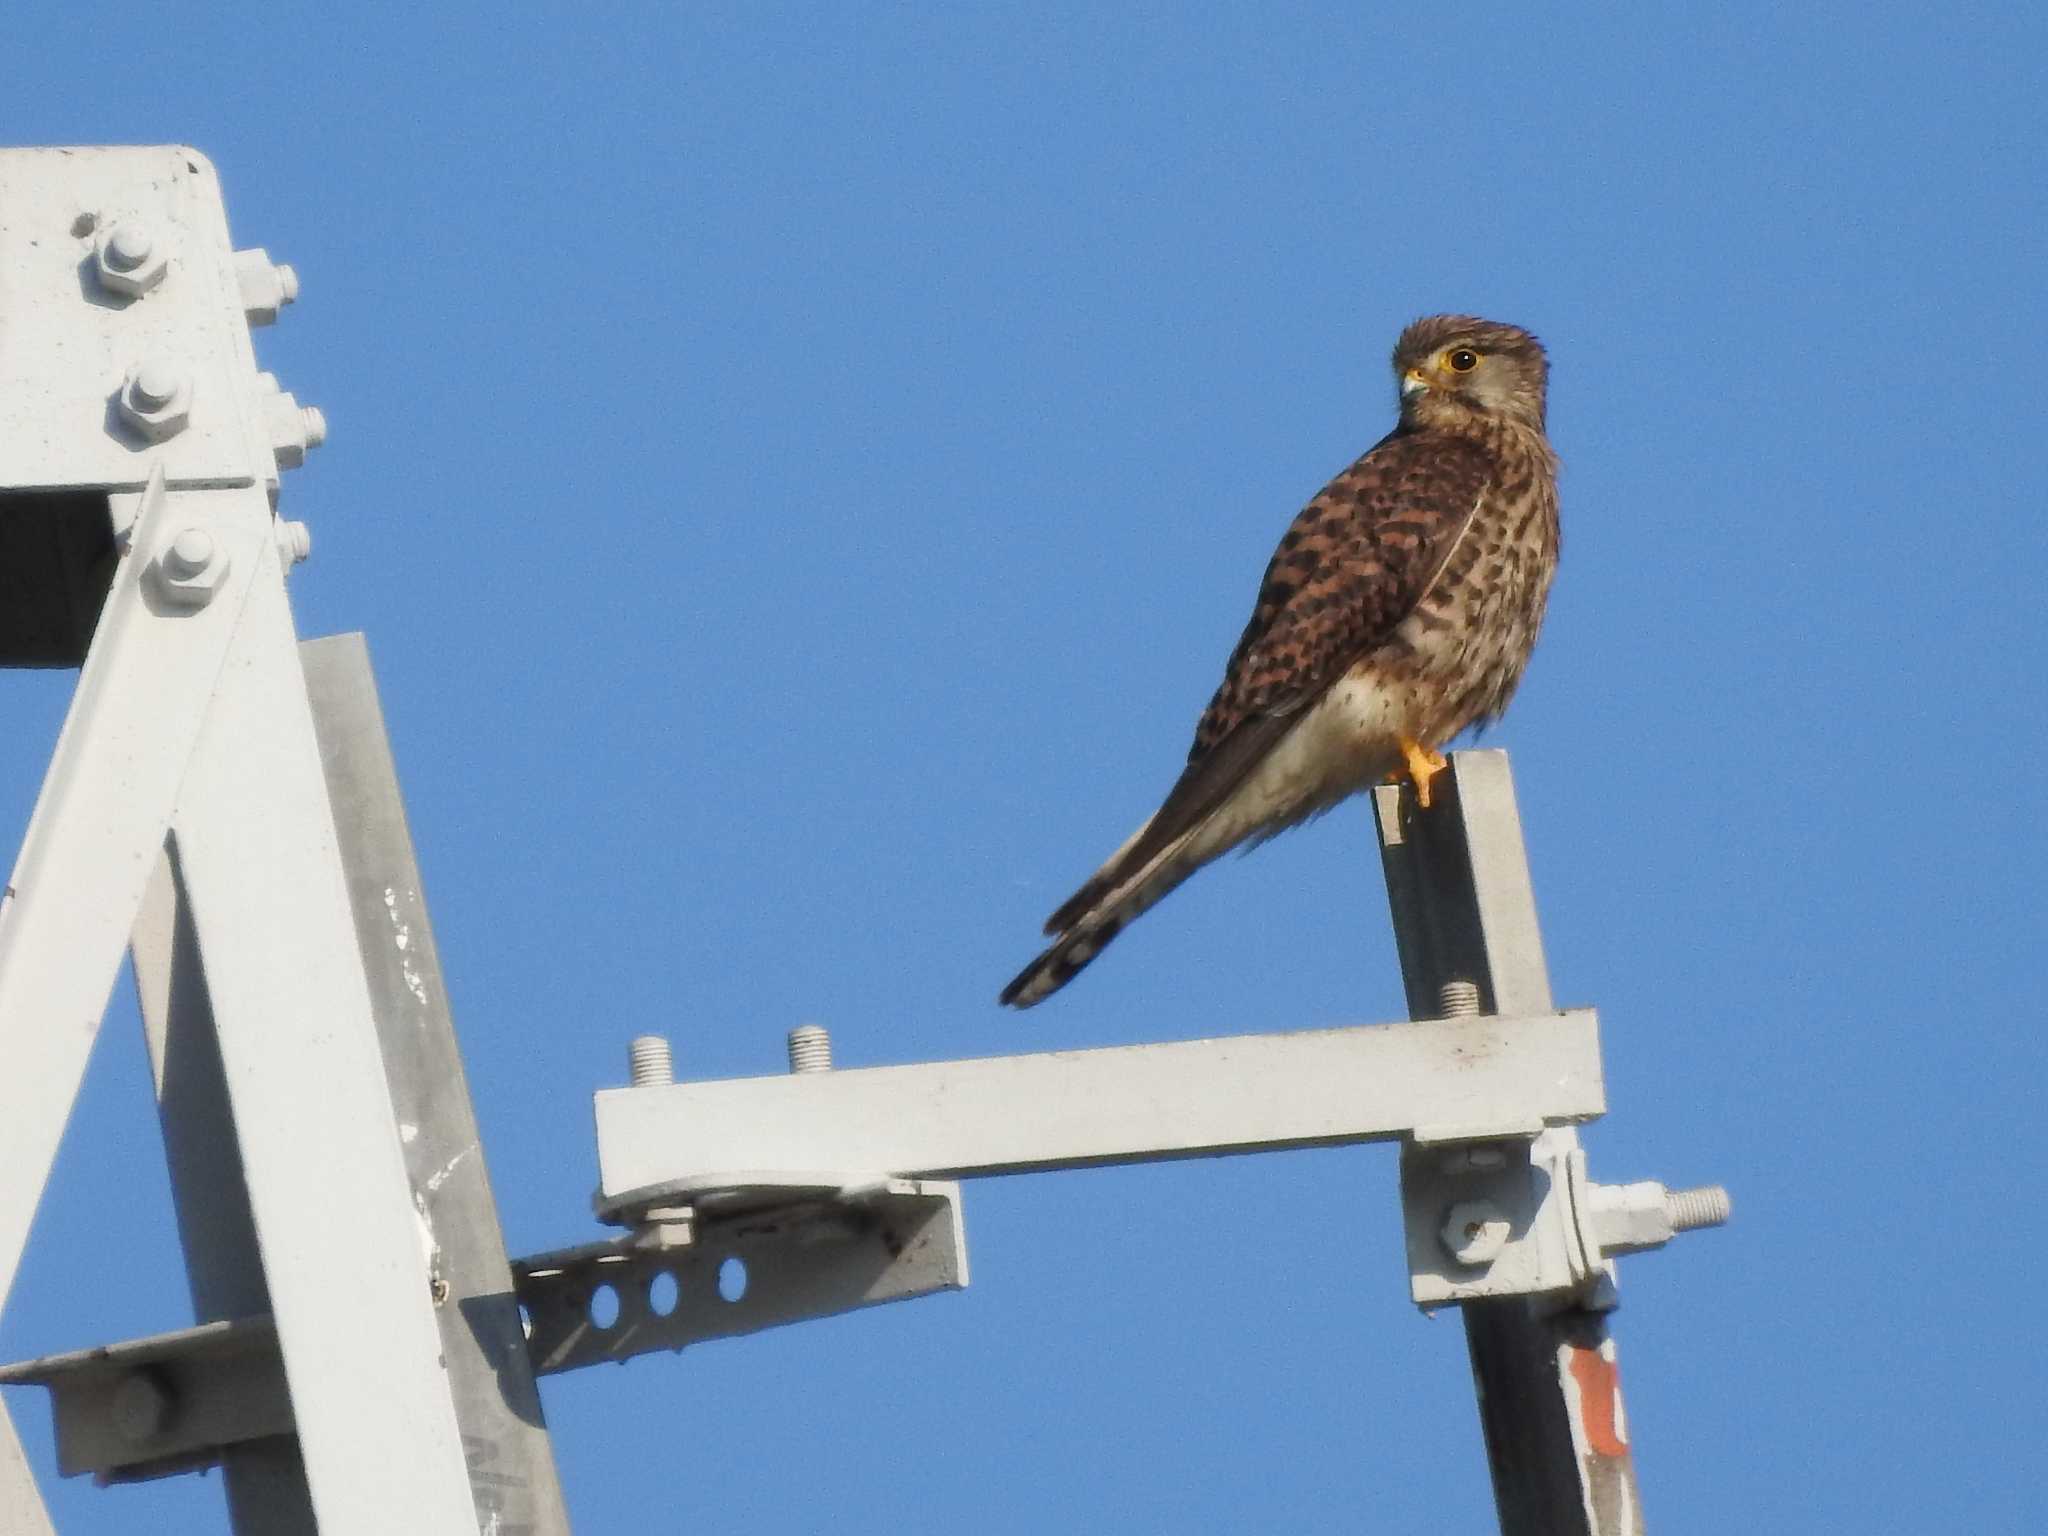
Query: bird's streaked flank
x=1399, y=609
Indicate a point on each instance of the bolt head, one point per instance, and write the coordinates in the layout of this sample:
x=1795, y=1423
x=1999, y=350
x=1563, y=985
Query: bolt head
x=191, y=568
x=190, y=552
x=1475, y=1232
x=156, y=399
x=129, y=259
x=141, y=1407
x=129, y=245
x=156, y=384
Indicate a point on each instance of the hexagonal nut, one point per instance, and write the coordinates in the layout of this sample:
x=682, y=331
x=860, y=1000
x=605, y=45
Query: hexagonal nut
x=294, y=428
x=129, y=258
x=1475, y=1231
x=267, y=286
x=156, y=400
x=191, y=568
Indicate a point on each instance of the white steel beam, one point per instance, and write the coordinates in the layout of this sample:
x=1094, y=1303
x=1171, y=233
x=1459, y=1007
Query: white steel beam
x=1071, y=1109
x=342, y=1253
x=98, y=827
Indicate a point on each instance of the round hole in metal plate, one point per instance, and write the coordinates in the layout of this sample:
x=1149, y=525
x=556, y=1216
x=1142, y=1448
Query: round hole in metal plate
x=604, y=1307
x=732, y=1279
x=663, y=1292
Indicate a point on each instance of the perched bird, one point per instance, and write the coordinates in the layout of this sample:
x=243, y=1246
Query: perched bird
x=1400, y=608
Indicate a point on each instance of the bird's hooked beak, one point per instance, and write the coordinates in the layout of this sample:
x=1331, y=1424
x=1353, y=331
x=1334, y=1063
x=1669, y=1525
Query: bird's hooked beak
x=1413, y=383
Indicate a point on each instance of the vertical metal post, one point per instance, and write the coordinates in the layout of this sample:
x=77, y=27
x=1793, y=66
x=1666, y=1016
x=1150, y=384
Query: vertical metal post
x=1549, y=1394
x=483, y=1341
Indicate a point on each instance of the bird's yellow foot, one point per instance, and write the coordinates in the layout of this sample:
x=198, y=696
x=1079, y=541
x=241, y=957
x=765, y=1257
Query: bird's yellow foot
x=1423, y=765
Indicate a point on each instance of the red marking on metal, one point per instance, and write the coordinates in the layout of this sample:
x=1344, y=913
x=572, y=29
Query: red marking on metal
x=1599, y=1381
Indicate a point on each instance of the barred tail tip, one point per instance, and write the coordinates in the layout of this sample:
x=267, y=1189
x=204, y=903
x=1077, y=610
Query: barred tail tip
x=1057, y=966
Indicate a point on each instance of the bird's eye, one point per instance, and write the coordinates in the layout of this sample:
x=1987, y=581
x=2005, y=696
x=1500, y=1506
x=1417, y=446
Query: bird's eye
x=1464, y=360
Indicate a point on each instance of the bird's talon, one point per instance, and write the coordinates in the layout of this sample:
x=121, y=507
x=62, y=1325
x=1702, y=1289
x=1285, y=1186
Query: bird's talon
x=1423, y=766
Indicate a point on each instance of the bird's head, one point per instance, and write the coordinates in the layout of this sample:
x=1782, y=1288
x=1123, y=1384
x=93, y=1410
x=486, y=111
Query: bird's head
x=1453, y=367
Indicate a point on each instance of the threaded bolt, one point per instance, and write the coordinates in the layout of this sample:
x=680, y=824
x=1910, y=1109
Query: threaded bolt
x=129, y=245
x=294, y=542
x=190, y=552
x=316, y=425
x=1457, y=1000
x=651, y=1062
x=1706, y=1206
x=810, y=1049
x=156, y=384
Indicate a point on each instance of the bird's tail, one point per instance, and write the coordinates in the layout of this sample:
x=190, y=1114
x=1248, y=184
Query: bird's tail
x=1088, y=930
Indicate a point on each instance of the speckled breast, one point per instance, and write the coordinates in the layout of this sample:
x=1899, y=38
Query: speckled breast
x=1472, y=634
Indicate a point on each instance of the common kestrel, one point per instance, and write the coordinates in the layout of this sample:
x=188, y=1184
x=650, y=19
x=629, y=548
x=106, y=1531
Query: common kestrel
x=1400, y=608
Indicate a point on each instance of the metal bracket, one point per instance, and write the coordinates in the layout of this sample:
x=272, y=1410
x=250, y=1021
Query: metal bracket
x=162, y=1405
x=179, y=1401
x=740, y=1267
x=1521, y=1217
x=1495, y=1203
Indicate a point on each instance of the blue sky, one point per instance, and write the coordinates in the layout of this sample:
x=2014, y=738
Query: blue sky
x=801, y=470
